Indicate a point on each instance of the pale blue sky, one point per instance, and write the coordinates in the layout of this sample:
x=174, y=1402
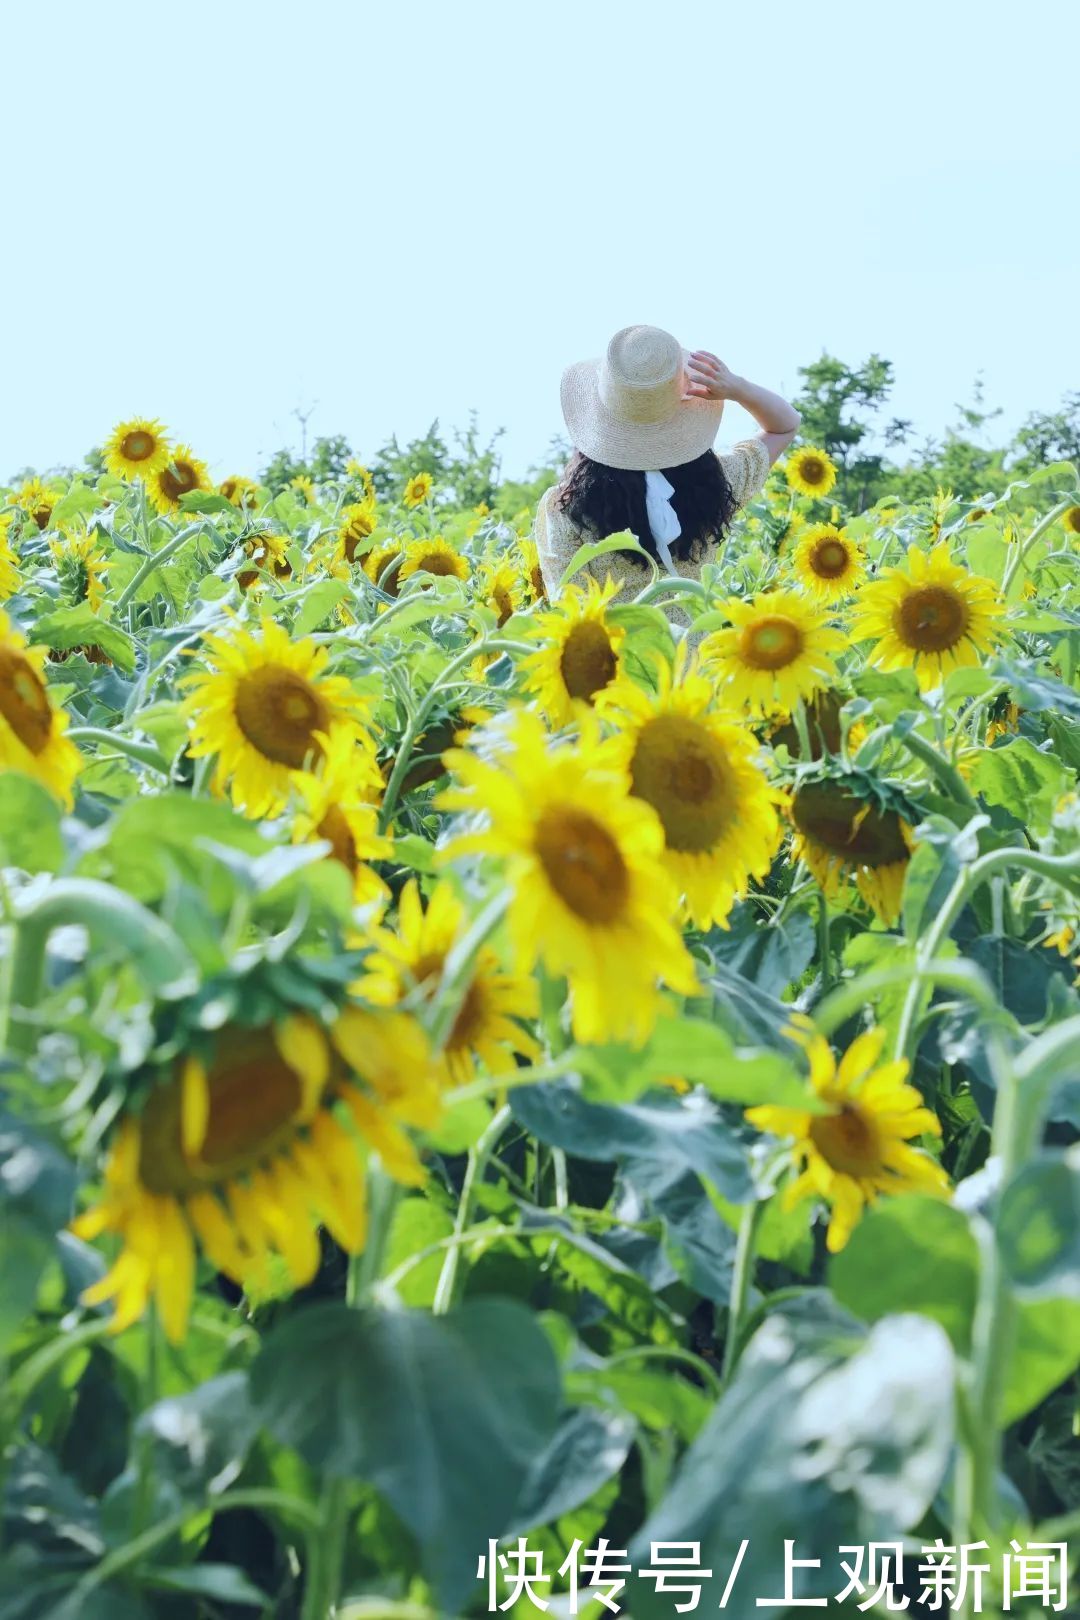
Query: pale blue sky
x=217, y=212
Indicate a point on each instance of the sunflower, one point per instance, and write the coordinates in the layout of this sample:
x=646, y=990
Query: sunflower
x=239, y=491
x=1003, y=719
x=432, y=556
x=579, y=653
x=9, y=562
x=583, y=865
x=263, y=707
x=181, y=474
x=412, y=958
x=810, y=472
x=849, y=827
x=823, y=728
x=268, y=554
x=502, y=588
x=379, y=561
x=137, y=449
x=304, y=486
x=417, y=489
x=827, y=563
x=81, y=566
x=698, y=771
x=339, y=804
x=1071, y=519
x=859, y=1150
x=932, y=617
x=357, y=470
x=31, y=731
x=37, y=501
x=780, y=649
x=357, y=523
x=240, y=1152
x=530, y=558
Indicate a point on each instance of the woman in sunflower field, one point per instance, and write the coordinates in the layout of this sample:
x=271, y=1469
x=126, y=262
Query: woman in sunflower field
x=642, y=421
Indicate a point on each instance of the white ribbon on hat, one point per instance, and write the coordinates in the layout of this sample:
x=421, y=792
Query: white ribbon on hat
x=663, y=519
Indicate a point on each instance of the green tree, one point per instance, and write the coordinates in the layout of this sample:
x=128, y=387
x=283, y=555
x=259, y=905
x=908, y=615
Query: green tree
x=1051, y=437
x=837, y=405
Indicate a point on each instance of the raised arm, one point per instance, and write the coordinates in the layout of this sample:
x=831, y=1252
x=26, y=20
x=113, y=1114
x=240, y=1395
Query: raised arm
x=709, y=378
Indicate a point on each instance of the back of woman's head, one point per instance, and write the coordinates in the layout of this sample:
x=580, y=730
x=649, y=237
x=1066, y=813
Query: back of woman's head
x=605, y=500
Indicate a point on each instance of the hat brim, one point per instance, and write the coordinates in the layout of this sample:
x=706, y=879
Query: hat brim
x=634, y=446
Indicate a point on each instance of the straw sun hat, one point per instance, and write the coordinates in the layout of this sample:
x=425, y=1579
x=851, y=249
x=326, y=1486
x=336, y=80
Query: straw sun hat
x=630, y=410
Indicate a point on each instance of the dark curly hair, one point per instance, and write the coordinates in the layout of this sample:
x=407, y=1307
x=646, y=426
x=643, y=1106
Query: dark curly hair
x=604, y=500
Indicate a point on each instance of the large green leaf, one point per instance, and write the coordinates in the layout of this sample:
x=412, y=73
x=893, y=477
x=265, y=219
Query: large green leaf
x=29, y=825
x=199, y=1441
x=910, y=1254
x=443, y=1415
x=808, y=1434
x=699, y=1052
x=1039, y=1226
x=1021, y=779
x=80, y=626
x=676, y=1133
x=587, y=1448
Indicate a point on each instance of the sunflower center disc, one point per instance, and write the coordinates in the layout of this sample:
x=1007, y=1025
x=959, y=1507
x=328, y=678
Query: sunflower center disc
x=812, y=470
x=835, y=820
x=137, y=446
x=583, y=864
x=588, y=660
x=279, y=712
x=933, y=618
x=682, y=772
x=254, y=1101
x=503, y=605
x=24, y=702
x=847, y=1141
x=436, y=563
x=771, y=643
x=178, y=479
x=829, y=559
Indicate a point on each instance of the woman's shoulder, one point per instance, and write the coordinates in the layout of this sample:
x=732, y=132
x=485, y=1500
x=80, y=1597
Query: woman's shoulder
x=746, y=467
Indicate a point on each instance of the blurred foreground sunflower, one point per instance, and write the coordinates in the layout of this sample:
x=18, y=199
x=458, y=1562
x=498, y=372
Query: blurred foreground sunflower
x=410, y=960
x=582, y=862
x=32, y=731
x=780, y=648
x=242, y=1151
x=931, y=616
x=850, y=828
x=579, y=651
x=826, y=563
x=858, y=1150
x=263, y=707
x=138, y=448
x=699, y=772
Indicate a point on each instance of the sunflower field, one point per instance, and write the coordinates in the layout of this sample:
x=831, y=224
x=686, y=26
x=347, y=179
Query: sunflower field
x=519, y=1105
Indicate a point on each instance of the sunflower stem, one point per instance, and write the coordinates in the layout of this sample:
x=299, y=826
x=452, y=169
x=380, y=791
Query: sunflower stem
x=745, y=1249
x=153, y=563
x=947, y=775
x=474, y=1174
x=25, y=978
x=823, y=943
x=1016, y=561
x=142, y=753
x=1063, y=869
